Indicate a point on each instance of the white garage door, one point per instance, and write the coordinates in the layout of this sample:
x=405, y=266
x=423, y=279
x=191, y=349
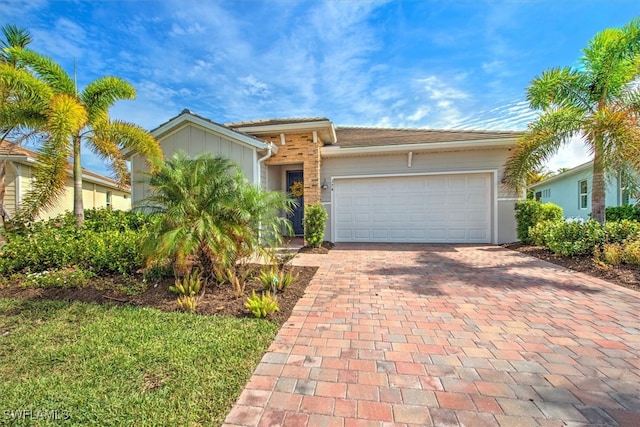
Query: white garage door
x=421, y=209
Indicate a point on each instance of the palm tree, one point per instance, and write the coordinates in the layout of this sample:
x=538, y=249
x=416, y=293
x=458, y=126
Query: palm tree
x=538, y=175
x=16, y=107
x=73, y=118
x=598, y=100
x=211, y=215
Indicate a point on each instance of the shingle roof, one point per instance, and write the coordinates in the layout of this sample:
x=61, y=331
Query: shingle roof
x=10, y=149
x=373, y=137
x=277, y=121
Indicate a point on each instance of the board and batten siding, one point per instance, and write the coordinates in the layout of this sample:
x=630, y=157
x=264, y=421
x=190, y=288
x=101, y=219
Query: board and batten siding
x=194, y=140
x=428, y=162
x=10, y=188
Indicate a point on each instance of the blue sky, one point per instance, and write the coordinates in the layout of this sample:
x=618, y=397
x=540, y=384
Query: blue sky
x=435, y=64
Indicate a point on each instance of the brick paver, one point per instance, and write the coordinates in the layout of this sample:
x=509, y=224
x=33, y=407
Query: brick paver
x=448, y=335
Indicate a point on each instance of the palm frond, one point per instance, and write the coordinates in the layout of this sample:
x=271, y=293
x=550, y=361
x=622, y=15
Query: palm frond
x=14, y=36
x=49, y=178
x=102, y=93
x=543, y=139
x=46, y=68
x=65, y=116
x=559, y=87
x=19, y=84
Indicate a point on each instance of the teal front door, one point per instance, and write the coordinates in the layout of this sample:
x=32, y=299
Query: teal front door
x=298, y=214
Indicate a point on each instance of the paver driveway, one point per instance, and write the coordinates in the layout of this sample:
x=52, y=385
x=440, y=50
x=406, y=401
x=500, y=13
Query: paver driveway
x=449, y=335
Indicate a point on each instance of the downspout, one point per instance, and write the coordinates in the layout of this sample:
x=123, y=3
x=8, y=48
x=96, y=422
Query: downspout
x=264, y=158
x=261, y=161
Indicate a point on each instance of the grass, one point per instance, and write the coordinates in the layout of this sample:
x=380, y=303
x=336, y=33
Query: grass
x=110, y=365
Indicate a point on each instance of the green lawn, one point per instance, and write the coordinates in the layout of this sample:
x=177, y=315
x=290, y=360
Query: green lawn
x=125, y=366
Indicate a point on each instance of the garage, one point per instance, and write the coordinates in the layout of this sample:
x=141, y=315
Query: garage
x=442, y=208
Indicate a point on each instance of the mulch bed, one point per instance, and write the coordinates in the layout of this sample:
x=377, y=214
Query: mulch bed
x=217, y=299
x=324, y=249
x=622, y=275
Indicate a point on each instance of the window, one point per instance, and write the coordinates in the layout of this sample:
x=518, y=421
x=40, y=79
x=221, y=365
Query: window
x=108, y=199
x=583, y=194
x=538, y=195
x=626, y=197
x=546, y=193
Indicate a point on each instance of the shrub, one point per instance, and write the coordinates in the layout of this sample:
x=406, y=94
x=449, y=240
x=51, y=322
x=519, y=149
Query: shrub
x=189, y=285
x=263, y=305
x=618, y=213
x=275, y=280
x=54, y=247
x=531, y=212
x=212, y=217
x=618, y=231
x=187, y=303
x=62, y=278
x=315, y=219
x=631, y=251
x=610, y=253
x=569, y=238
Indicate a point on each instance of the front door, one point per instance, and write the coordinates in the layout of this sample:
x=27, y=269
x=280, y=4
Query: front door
x=294, y=177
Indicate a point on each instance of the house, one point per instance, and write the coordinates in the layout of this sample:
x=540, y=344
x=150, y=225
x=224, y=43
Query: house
x=378, y=185
x=571, y=190
x=97, y=191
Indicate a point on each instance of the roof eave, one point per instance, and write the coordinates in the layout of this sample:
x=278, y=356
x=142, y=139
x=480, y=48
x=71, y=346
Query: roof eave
x=326, y=127
x=551, y=180
x=427, y=146
x=230, y=133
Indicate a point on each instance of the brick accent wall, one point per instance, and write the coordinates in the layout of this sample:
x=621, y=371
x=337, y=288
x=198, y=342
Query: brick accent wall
x=300, y=148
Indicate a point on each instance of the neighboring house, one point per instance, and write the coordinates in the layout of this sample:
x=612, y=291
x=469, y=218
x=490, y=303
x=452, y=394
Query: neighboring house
x=378, y=185
x=571, y=190
x=97, y=191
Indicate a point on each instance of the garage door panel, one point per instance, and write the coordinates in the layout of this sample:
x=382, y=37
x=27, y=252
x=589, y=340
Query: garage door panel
x=440, y=208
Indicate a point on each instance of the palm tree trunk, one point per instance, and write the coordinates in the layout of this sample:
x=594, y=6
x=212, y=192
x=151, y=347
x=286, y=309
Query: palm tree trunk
x=78, y=207
x=598, y=184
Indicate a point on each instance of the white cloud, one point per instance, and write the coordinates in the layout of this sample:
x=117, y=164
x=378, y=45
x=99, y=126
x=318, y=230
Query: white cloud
x=437, y=89
x=254, y=87
x=419, y=114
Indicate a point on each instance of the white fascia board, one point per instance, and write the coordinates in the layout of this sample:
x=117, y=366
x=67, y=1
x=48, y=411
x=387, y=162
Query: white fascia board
x=288, y=127
x=104, y=183
x=19, y=158
x=187, y=118
x=579, y=168
x=427, y=146
x=31, y=161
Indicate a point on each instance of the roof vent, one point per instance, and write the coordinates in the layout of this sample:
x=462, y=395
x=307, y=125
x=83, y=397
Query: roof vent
x=186, y=111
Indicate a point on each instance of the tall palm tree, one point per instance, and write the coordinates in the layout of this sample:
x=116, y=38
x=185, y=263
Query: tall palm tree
x=74, y=117
x=598, y=100
x=211, y=214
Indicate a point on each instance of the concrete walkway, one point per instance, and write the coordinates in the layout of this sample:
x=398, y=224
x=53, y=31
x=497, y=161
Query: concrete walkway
x=418, y=335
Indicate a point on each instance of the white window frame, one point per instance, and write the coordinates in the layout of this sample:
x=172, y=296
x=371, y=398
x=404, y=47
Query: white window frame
x=109, y=200
x=583, y=197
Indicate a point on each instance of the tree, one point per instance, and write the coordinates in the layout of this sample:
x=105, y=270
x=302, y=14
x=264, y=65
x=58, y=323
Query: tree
x=71, y=118
x=211, y=215
x=18, y=96
x=598, y=100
